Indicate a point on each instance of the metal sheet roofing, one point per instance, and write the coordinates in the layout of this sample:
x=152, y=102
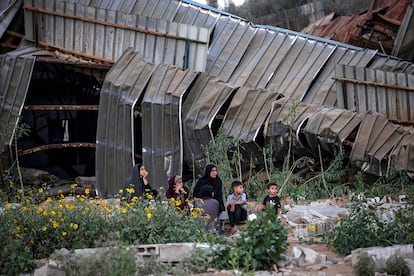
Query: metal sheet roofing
x=204, y=101
x=364, y=90
x=8, y=10
x=403, y=41
x=123, y=86
x=376, y=139
x=402, y=156
x=103, y=35
x=162, y=134
x=312, y=125
x=247, y=113
x=16, y=69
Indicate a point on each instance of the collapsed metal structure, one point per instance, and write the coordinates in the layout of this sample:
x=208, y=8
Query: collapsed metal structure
x=180, y=70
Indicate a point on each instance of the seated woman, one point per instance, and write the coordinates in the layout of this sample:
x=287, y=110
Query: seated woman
x=137, y=185
x=210, y=207
x=178, y=191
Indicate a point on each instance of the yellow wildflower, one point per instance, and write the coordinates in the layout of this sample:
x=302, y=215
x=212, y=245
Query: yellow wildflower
x=24, y=209
x=20, y=191
x=149, y=215
x=130, y=190
x=40, y=190
x=44, y=228
x=8, y=206
x=123, y=210
x=312, y=228
x=178, y=202
x=74, y=226
x=121, y=191
x=149, y=196
x=87, y=191
x=73, y=186
x=198, y=231
x=64, y=233
x=48, y=199
x=52, y=213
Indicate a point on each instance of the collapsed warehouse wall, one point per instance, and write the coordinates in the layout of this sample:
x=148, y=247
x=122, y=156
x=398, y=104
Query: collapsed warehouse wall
x=241, y=57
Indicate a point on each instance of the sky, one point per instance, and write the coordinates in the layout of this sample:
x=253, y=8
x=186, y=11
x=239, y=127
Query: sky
x=222, y=2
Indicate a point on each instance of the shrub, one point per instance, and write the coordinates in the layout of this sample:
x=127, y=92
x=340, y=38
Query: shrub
x=261, y=243
x=397, y=266
x=364, y=227
x=150, y=222
x=16, y=258
x=361, y=228
x=365, y=266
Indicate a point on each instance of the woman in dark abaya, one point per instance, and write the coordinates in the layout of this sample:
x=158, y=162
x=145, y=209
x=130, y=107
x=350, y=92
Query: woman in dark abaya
x=211, y=178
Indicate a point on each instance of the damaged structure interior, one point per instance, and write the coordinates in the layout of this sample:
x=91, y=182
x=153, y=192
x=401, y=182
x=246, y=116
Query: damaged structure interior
x=106, y=84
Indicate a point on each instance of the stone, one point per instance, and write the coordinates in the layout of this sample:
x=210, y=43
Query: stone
x=316, y=267
x=49, y=270
x=86, y=181
x=410, y=263
x=175, y=252
x=348, y=258
x=380, y=255
x=313, y=257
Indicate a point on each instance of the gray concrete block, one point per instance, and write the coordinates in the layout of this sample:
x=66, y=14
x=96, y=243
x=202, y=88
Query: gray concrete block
x=380, y=255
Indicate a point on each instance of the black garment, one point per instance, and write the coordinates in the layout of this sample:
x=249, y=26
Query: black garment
x=135, y=181
x=216, y=183
x=239, y=215
x=274, y=201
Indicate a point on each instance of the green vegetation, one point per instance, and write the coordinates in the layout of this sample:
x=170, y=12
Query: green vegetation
x=262, y=243
x=365, y=227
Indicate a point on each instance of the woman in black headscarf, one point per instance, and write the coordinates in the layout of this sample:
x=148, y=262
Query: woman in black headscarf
x=211, y=178
x=138, y=182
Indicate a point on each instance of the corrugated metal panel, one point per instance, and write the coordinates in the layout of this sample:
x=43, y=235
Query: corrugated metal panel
x=403, y=43
x=227, y=49
x=329, y=127
x=287, y=115
x=101, y=34
x=402, y=156
x=323, y=89
x=123, y=86
x=185, y=11
x=391, y=64
x=247, y=113
x=312, y=125
x=161, y=123
x=8, y=10
x=375, y=140
x=203, y=102
x=364, y=90
x=302, y=62
x=16, y=69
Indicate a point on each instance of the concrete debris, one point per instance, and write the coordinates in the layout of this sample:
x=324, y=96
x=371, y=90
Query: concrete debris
x=381, y=255
x=49, y=270
x=308, y=257
x=313, y=220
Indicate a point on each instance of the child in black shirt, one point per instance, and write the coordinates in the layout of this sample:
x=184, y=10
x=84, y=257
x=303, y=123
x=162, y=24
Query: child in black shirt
x=272, y=198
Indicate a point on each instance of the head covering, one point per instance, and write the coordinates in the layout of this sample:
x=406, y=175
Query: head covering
x=171, y=186
x=177, y=178
x=208, y=169
x=216, y=183
x=171, y=183
x=206, y=191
